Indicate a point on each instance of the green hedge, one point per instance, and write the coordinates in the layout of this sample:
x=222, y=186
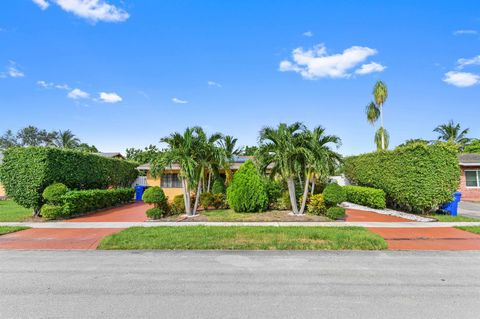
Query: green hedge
x=366, y=196
x=334, y=194
x=27, y=171
x=335, y=213
x=415, y=178
x=79, y=202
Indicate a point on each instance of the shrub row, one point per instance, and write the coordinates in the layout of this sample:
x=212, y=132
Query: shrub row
x=367, y=196
x=415, y=178
x=78, y=202
x=27, y=171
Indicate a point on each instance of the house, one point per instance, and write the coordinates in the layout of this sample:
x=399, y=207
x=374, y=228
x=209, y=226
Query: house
x=470, y=177
x=112, y=155
x=170, y=181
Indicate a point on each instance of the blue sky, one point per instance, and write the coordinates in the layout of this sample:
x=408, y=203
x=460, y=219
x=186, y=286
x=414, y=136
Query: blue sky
x=126, y=73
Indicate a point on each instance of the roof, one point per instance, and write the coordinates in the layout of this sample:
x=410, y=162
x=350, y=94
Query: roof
x=111, y=154
x=469, y=159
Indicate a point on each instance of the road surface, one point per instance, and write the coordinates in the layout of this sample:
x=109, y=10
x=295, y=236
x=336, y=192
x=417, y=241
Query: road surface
x=199, y=284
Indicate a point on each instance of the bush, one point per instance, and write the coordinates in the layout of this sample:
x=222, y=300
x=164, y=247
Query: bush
x=247, y=193
x=415, y=177
x=316, y=206
x=274, y=192
x=366, y=196
x=156, y=196
x=220, y=201
x=178, y=205
x=334, y=194
x=53, y=212
x=283, y=202
x=53, y=193
x=27, y=171
x=206, y=200
x=335, y=213
x=155, y=213
x=218, y=186
x=78, y=202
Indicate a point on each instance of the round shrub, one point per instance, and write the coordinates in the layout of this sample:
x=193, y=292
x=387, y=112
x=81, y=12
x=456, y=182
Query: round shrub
x=218, y=186
x=206, y=200
x=247, y=193
x=156, y=196
x=334, y=194
x=178, y=205
x=53, y=194
x=335, y=213
x=220, y=201
x=155, y=213
x=316, y=206
x=52, y=212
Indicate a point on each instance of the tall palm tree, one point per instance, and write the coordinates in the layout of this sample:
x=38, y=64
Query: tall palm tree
x=380, y=95
x=66, y=139
x=228, y=146
x=452, y=132
x=382, y=139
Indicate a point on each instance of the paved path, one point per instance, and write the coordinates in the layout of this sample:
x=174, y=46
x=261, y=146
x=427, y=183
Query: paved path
x=469, y=209
x=127, y=213
x=218, y=284
x=355, y=215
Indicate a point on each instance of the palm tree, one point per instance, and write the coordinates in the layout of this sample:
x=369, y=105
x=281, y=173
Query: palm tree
x=382, y=138
x=228, y=148
x=452, y=132
x=372, y=112
x=380, y=95
x=66, y=139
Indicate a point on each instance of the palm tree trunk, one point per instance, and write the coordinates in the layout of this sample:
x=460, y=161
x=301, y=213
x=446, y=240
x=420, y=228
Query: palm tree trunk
x=383, y=130
x=197, y=196
x=186, y=197
x=291, y=192
x=305, y=194
x=209, y=181
x=313, y=185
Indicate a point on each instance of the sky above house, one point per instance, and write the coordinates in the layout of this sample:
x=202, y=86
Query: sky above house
x=125, y=73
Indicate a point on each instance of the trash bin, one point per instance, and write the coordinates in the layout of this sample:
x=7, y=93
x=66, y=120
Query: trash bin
x=139, y=189
x=452, y=207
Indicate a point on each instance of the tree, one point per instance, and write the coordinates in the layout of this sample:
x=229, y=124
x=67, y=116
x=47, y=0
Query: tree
x=452, y=132
x=147, y=155
x=249, y=150
x=472, y=147
x=382, y=139
x=7, y=140
x=66, y=139
x=230, y=150
x=374, y=111
x=414, y=141
x=32, y=136
x=84, y=147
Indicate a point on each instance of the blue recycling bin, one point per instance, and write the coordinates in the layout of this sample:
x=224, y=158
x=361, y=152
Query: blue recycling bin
x=139, y=189
x=452, y=207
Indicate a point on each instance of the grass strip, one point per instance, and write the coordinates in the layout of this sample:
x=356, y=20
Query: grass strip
x=10, y=229
x=471, y=229
x=12, y=212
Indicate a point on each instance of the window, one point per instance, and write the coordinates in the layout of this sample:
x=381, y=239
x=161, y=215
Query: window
x=170, y=181
x=472, y=178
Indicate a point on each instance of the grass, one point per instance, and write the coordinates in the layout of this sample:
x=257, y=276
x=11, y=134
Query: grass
x=12, y=212
x=229, y=215
x=447, y=218
x=245, y=238
x=10, y=229
x=471, y=229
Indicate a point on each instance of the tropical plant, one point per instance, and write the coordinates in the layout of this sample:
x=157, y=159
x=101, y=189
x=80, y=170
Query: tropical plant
x=66, y=139
x=382, y=139
x=380, y=95
x=452, y=132
x=472, y=147
x=334, y=194
x=147, y=155
x=317, y=206
x=228, y=147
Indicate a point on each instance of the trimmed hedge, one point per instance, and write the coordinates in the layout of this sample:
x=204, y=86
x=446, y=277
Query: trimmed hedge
x=366, y=196
x=155, y=213
x=53, y=212
x=79, y=202
x=53, y=193
x=247, y=193
x=415, y=178
x=156, y=196
x=335, y=213
x=334, y=194
x=27, y=171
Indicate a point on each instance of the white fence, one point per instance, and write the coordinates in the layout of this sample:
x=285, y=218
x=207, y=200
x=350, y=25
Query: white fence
x=141, y=180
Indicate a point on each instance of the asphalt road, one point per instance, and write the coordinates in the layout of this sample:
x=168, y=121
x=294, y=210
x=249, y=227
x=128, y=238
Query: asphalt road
x=156, y=284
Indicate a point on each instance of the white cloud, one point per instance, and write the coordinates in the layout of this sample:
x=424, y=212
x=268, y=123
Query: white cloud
x=42, y=4
x=215, y=84
x=50, y=85
x=461, y=63
x=461, y=79
x=92, y=10
x=78, y=94
x=316, y=63
x=12, y=71
x=308, y=34
x=179, y=101
x=370, y=68
x=465, y=32
x=110, y=97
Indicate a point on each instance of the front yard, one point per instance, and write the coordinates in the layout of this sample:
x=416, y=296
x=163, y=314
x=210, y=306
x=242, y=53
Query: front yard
x=10, y=229
x=12, y=212
x=447, y=218
x=245, y=238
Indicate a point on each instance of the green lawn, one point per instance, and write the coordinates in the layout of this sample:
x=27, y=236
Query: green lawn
x=11, y=212
x=472, y=229
x=448, y=218
x=245, y=238
x=229, y=215
x=10, y=229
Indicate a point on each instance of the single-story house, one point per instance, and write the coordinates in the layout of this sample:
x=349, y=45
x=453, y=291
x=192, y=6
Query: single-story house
x=470, y=176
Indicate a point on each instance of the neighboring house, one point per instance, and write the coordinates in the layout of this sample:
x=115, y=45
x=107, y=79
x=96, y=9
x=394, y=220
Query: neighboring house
x=112, y=155
x=170, y=181
x=470, y=176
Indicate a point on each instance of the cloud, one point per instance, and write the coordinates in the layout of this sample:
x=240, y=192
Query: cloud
x=92, y=10
x=461, y=79
x=465, y=32
x=12, y=71
x=315, y=63
x=42, y=4
x=179, y=101
x=461, y=63
x=51, y=85
x=110, y=97
x=370, y=68
x=308, y=34
x=78, y=94
x=214, y=84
